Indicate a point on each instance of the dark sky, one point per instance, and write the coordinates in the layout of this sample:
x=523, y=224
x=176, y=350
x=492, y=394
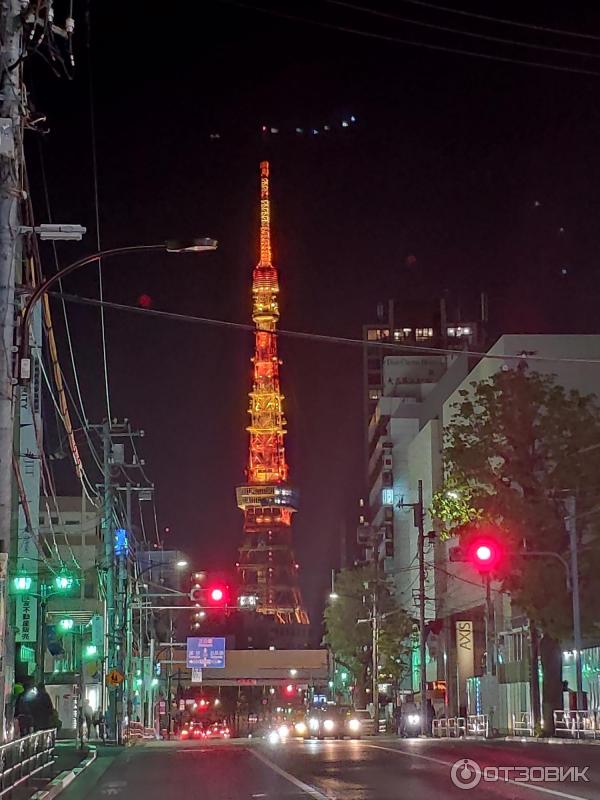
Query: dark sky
x=471, y=166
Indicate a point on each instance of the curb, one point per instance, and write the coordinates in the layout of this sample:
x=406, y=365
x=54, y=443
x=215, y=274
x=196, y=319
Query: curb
x=63, y=779
x=549, y=740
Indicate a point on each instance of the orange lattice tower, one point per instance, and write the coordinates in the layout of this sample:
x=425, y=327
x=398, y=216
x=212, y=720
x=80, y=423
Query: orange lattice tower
x=267, y=569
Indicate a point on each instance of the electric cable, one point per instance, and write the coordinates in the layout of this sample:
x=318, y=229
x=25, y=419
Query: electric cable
x=321, y=337
x=411, y=42
x=500, y=21
x=460, y=31
x=92, y=113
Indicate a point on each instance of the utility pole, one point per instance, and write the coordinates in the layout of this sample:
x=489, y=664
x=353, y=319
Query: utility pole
x=109, y=567
x=11, y=196
x=420, y=520
x=571, y=523
x=419, y=523
x=375, y=653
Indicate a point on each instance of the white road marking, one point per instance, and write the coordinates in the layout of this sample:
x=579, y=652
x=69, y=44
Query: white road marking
x=531, y=786
x=309, y=790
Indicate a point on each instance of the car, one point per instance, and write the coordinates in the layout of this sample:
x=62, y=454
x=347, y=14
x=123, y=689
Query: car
x=192, y=730
x=367, y=723
x=334, y=722
x=217, y=730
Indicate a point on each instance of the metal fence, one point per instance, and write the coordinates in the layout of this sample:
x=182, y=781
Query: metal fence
x=455, y=727
x=522, y=724
x=25, y=757
x=577, y=724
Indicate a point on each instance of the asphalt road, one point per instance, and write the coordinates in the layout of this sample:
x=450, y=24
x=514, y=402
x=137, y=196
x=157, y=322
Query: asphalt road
x=370, y=769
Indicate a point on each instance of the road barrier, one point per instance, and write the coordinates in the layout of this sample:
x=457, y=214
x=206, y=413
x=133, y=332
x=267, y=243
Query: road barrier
x=477, y=725
x=450, y=728
x=522, y=724
x=576, y=724
x=25, y=757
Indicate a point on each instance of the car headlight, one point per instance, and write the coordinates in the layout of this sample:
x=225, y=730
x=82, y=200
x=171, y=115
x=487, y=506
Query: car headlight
x=283, y=731
x=414, y=719
x=313, y=724
x=329, y=724
x=300, y=728
x=354, y=725
x=273, y=737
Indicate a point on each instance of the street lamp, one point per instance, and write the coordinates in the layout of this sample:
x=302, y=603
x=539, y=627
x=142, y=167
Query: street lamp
x=170, y=246
x=62, y=583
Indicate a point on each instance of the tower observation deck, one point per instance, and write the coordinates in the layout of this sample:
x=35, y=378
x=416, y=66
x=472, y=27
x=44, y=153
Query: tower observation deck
x=267, y=569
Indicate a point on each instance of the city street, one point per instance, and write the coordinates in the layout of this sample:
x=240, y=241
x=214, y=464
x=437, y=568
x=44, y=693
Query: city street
x=382, y=769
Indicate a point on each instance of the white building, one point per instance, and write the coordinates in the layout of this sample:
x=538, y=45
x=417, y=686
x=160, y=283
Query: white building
x=405, y=446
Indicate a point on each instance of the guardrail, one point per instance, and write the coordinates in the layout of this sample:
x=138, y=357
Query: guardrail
x=522, y=724
x=25, y=757
x=576, y=724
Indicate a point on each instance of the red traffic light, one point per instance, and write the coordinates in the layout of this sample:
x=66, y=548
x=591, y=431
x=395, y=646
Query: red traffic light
x=484, y=554
x=218, y=595
x=289, y=689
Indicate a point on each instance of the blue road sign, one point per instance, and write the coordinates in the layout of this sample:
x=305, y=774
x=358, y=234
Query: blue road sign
x=205, y=652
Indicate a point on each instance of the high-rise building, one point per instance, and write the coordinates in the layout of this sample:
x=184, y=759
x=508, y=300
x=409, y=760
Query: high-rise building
x=267, y=568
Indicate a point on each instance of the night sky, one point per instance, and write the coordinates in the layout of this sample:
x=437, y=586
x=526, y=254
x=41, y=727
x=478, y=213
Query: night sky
x=458, y=175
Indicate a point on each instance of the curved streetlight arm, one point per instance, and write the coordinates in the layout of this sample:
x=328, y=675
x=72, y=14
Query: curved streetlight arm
x=550, y=554
x=193, y=246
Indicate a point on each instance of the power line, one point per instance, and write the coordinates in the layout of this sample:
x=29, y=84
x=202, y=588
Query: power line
x=501, y=21
x=460, y=31
x=320, y=337
x=412, y=43
x=57, y=267
x=97, y=205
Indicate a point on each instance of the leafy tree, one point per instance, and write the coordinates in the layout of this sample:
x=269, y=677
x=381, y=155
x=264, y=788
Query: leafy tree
x=351, y=642
x=518, y=447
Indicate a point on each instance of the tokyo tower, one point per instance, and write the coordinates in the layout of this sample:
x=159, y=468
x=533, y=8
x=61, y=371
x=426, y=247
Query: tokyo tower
x=267, y=569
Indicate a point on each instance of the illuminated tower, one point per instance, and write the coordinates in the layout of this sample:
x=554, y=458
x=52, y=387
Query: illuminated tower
x=267, y=569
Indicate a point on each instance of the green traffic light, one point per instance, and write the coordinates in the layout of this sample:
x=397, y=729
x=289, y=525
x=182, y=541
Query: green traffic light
x=91, y=651
x=66, y=624
x=22, y=583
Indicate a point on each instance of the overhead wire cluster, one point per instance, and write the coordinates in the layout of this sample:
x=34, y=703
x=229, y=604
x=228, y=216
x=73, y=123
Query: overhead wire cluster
x=353, y=20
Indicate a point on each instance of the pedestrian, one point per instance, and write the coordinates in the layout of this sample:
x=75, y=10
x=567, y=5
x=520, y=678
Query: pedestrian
x=88, y=716
x=23, y=710
x=42, y=709
x=430, y=716
x=100, y=725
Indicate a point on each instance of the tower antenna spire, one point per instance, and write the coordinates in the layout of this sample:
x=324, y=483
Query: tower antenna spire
x=265, y=216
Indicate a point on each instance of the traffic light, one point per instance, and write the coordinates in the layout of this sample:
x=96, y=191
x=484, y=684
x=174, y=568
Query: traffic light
x=66, y=625
x=484, y=553
x=214, y=595
x=289, y=690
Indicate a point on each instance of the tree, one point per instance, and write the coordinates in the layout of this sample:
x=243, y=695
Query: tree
x=351, y=642
x=519, y=446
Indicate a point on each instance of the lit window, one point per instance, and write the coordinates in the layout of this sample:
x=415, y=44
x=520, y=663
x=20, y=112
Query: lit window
x=374, y=394
x=387, y=497
x=451, y=331
x=424, y=333
x=402, y=333
x=375, y=334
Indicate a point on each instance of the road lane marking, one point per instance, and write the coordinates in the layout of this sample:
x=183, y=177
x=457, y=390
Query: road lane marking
x=309, y=790
x=531, y=786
